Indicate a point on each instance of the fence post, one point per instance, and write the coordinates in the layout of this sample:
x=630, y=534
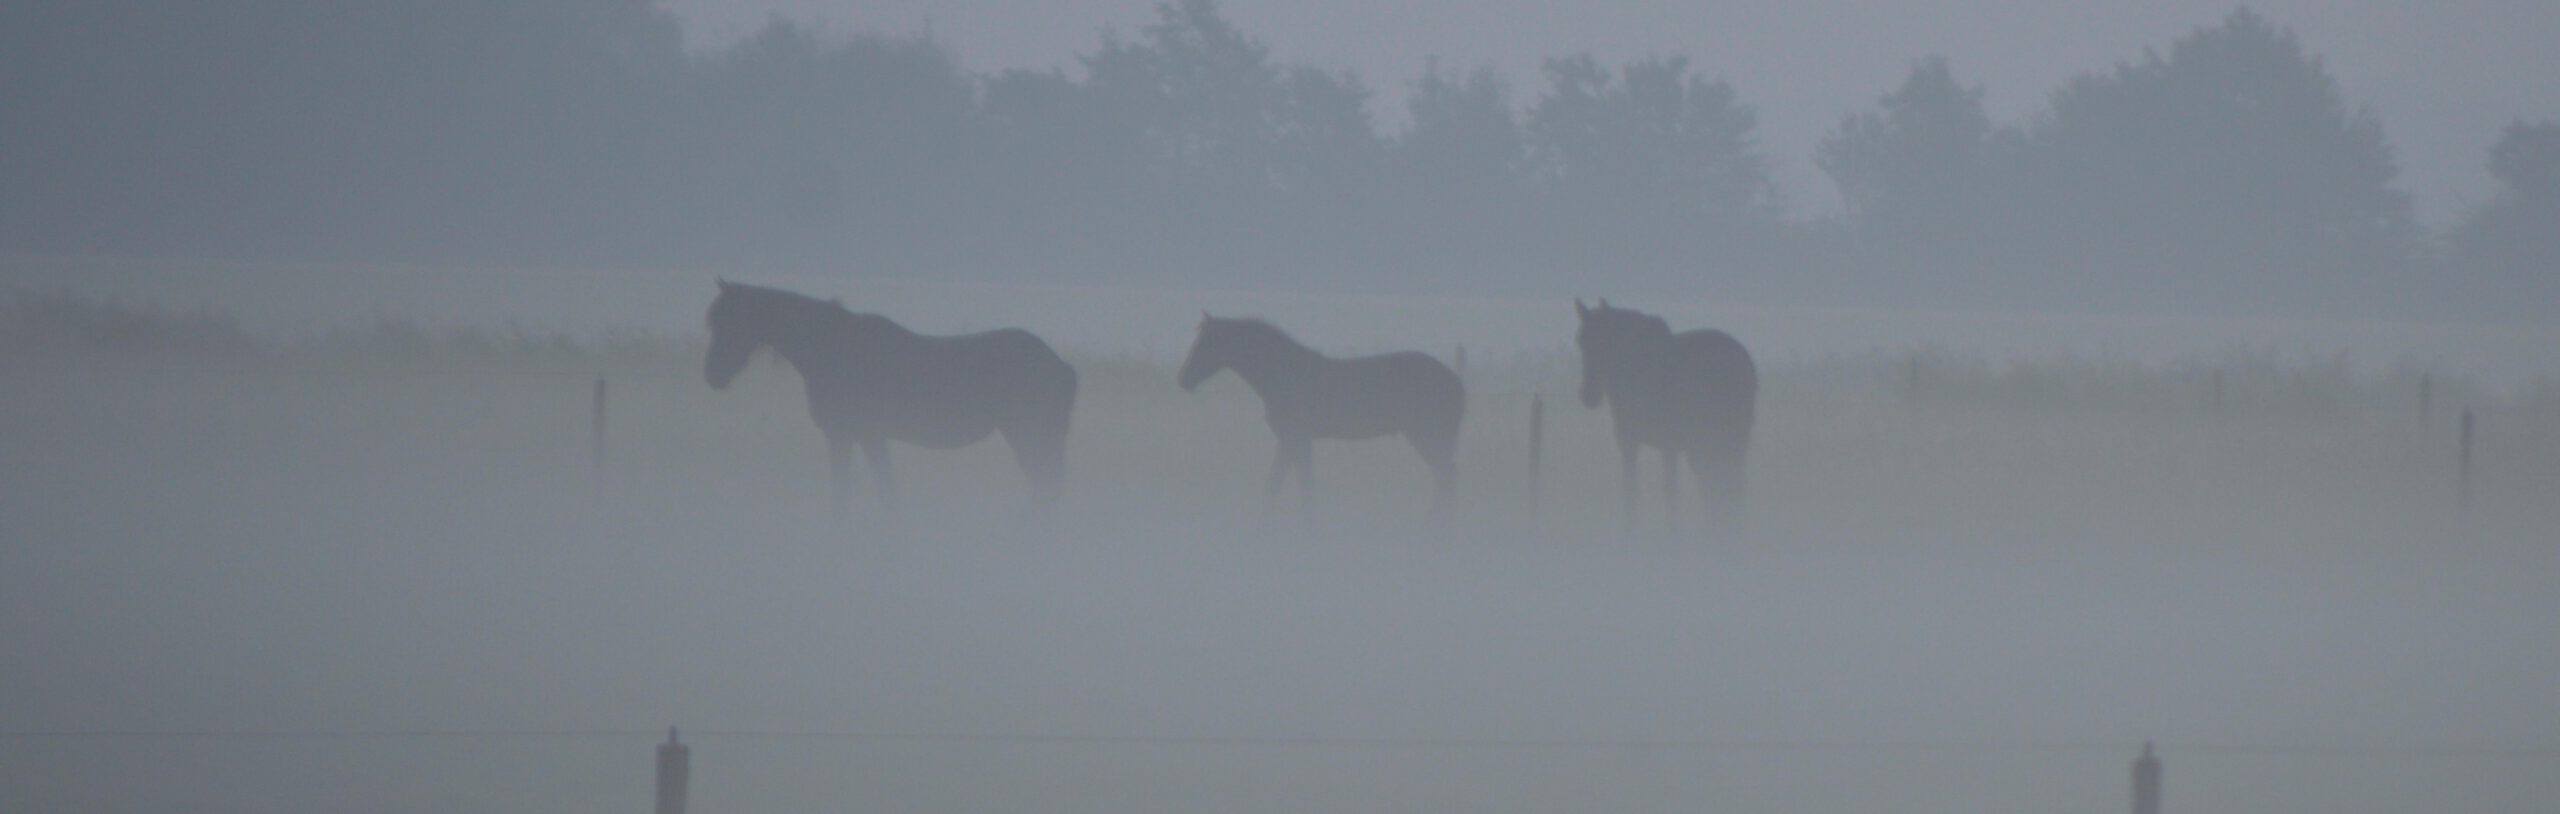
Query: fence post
x=2462, y=465
x=675, y=772
x=2426, y=395
x=2146, y=782
x=595, y=434
x=1537, y=447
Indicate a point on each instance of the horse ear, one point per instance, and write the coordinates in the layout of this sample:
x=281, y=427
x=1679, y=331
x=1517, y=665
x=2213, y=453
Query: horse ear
x=1205, y=317
x=1604, y=303
x=1581, y=310
x=725, y=285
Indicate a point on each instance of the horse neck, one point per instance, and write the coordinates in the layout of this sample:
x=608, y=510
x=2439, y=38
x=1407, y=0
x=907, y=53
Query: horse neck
x=1269, y=364
x=815, y=335
x=1644, y=371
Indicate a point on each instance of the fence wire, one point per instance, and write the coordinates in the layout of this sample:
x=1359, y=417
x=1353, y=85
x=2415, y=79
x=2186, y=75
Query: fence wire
x=1398, y=743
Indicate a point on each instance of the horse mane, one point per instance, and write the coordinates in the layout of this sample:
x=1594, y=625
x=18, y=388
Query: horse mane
x=831, y=308
x=772, y=293
x=1259, y=328
x=1650, y=325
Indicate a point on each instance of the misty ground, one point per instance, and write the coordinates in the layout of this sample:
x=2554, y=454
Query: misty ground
x=1979, y=594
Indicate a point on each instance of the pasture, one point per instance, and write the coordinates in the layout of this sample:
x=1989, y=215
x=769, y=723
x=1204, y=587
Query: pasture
x=1976, y=591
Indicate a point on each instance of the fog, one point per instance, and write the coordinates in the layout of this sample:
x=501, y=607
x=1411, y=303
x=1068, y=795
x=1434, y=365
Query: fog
x=1805, y=63
x=356, y=452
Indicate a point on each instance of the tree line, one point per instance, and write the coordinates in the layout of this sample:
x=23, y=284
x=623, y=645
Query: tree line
x=2228, y=172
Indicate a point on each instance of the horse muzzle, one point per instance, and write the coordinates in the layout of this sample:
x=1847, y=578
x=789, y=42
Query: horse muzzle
x=719, y=375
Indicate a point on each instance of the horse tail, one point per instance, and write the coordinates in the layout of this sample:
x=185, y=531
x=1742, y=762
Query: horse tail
x=1040, y=410
x=1043, y=450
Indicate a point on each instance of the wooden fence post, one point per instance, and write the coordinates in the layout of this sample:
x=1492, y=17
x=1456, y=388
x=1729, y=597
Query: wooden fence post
x=2146, y=782
x=675, y=773
x=1537, y=447
x=595, y=434
x=2462, y=465
x=2426, y=395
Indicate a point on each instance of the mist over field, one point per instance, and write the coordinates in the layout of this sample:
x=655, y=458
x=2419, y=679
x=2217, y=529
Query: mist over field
x=357, y=454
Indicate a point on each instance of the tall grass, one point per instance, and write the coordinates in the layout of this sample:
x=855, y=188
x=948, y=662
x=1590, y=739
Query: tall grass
x=36, y=322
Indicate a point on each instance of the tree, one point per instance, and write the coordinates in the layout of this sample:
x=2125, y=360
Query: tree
x=1653, y=167
x=1204, y=94
x=2225, y=173
x=1464, y=136
x=827, y=153
x=1324, y=145
x=1459, y=176
x=2508, y=250
x=2527, y=161
x=1914, y=175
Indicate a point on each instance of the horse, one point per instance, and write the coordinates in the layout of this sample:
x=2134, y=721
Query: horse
x=1687, y=394
x=871, y=381
x=1307, y=395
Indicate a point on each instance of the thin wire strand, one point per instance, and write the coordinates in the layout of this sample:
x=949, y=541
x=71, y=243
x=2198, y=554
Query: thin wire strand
x=1309, y=741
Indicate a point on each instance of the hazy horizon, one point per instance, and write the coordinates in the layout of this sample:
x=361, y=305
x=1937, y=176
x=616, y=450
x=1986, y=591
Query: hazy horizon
x=1805, y=65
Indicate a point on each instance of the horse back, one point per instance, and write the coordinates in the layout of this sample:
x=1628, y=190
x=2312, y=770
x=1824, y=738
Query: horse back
x=1363, y=396
x=946, y=390
x=1718, y=360
x=1724, y=383
x=1432, y=380
x=1699, y=391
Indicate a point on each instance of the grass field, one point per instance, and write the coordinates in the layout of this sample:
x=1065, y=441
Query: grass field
x=2018, y=570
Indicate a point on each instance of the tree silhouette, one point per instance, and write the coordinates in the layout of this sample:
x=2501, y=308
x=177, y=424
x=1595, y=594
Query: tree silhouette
x=1464, y=133
x=1459, y=176
x=812, y=152
x=1653, y=167
x=1915, y=176
x=2508, y=250
x=2527, y=160
x=2226, y=171
x=2230, y=169
x=1204, y=93
x=1326, y=164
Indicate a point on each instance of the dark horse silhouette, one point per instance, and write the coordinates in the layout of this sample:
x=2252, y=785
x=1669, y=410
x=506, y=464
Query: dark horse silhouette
x=1307, y=395
x=1689, y=393
x=871, y=381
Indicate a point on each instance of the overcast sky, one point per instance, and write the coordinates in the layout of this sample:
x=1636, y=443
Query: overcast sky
x=2445, y=76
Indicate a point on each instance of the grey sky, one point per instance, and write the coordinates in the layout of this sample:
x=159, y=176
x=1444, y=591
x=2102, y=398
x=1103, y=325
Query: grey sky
x=2445, y=76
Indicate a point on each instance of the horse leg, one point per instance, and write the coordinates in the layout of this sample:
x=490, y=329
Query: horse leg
x=1737, y=483
x=1440, y=451
x=1306, y=454
x=1043, y=456
x=1280, y=462
x=1671, y=489
x=1721, y=486
x=876, y=451
x=840, y=470
x=1627, y=491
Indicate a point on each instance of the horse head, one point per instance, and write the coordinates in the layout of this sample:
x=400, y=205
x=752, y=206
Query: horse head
x=1611, y=339
x=737, y=330
x=1208, y=354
